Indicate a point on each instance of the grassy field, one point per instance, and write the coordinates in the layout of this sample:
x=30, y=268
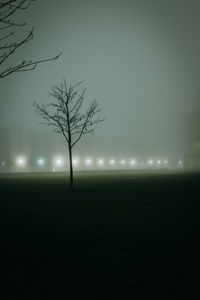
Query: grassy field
x=119, y=235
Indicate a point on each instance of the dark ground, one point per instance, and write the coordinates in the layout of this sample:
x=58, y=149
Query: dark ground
x=119, y=235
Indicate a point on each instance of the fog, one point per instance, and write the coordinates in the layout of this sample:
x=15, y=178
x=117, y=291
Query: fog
x=139, y=59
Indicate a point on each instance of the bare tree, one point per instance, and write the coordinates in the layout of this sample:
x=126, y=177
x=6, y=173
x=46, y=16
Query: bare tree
x=8, y=45
x=67, y=118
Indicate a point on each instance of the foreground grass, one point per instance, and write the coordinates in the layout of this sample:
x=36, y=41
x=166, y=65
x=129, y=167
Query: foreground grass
x=119, y=235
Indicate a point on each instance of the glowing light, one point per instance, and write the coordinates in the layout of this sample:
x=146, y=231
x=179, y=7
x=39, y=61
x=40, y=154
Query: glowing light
x=75, y=161
x=58, y=162
x=41, y=162
x=124, y=162
x=88, y=161
x=21, y=162
x=100, y=161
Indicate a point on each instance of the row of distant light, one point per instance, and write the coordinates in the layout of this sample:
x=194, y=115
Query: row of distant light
x=59, y=162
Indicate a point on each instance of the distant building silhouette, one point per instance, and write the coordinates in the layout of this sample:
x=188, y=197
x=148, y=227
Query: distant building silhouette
x=192, y=134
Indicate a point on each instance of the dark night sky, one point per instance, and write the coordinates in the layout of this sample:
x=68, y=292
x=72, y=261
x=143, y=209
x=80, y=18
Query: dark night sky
x=139, y=59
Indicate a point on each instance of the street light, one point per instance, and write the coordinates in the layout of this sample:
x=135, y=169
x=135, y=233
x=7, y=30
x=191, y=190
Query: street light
x=58, y=162
x=132, y=162
x=75, y=162
x=21, y=161
x=112, y=162
x=100, y=162
x=40, y=162
x=88, y=161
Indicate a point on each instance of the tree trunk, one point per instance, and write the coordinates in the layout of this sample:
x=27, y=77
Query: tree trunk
x=71, y=178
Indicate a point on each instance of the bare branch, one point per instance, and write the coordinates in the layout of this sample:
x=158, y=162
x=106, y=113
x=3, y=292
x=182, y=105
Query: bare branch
x=66, y=117
x=6, y=27
x=66, y=113
x=5, y=37
x=8, y=9
x=26, y=66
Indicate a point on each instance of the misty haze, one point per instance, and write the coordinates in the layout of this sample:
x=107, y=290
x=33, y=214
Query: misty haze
x=138, y=59
x=100, y=148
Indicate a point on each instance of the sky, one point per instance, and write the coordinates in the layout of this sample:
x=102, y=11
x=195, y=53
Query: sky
x=139, y=59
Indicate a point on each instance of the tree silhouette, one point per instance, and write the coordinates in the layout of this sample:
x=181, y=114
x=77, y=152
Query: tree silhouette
x=67, y=118
x=8, y=45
